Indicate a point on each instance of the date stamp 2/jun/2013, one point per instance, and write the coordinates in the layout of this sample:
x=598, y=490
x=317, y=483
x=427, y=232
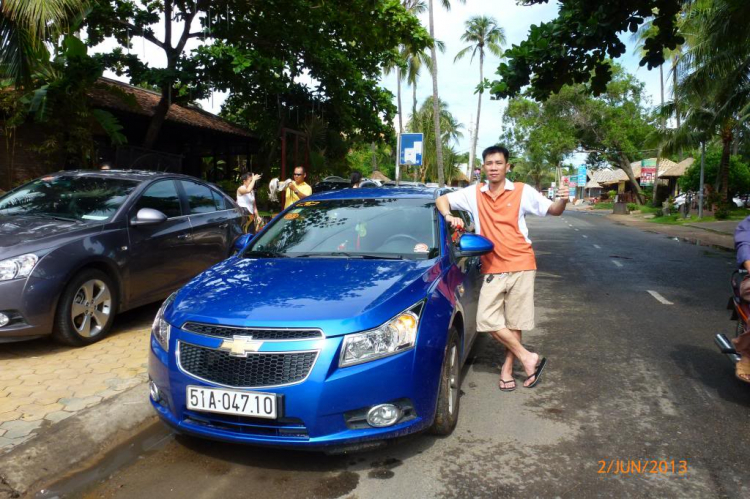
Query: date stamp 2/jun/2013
x=643, y=467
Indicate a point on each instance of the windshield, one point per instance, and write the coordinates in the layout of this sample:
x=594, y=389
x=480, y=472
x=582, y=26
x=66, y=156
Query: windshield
x=79, y=198
x=364, y=228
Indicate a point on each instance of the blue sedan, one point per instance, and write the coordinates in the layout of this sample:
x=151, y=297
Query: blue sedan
x=345, y=322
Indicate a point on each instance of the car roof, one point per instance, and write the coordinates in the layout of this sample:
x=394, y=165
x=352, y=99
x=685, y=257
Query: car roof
x=138, y=175
x=406, y=192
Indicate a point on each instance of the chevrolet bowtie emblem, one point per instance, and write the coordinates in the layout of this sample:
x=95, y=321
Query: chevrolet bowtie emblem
x=240, y=346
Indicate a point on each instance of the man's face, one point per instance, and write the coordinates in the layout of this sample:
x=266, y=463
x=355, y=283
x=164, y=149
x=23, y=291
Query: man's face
x=496, y=167
x=299, y=175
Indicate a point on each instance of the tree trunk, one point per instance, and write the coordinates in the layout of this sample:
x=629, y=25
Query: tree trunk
x=398, y=92
x=675, y=98
x=625, y=166
x=473, y=151
x=374, y=149
x=414, y=104
x=723, y=174
x=436, y=102
x=157, y=120
x=663, y=129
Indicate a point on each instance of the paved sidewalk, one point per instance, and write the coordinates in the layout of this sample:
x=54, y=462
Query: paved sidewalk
x=42, y=383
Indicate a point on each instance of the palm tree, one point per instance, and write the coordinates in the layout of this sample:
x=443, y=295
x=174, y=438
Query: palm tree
x=435, y=97
x=24, y=27
x=482, y=32
x=717, y=64
x=415, y=60
x=450, y=131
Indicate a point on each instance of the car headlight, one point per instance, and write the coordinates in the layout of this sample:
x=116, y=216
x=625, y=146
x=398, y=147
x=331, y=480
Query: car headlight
x=160, y=327
x=17, y=267
x=395, y=336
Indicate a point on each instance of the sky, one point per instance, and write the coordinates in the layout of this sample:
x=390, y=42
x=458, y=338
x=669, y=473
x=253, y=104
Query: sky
x=456, y=80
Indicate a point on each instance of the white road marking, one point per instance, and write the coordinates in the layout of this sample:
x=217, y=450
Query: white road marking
x=584, y=235
x=597, y=246
x=617, y=263
x=576, y=230
x=659, y=297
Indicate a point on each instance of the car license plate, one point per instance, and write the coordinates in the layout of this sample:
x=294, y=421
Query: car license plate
x=257, y=405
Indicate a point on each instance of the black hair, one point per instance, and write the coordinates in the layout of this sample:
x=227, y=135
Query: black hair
x=304, y=170
x=355, y=178
x=495, y=150
x=245, y=176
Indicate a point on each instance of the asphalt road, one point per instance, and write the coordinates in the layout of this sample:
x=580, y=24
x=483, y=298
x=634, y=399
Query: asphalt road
x=630, y=378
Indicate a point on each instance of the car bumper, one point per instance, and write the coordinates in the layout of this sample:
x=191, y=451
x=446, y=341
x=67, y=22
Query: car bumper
x=315, y=411
x=30, y=303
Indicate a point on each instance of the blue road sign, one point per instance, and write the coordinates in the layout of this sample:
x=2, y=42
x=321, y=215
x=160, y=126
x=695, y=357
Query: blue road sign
x=410, y=152
x=582, y=175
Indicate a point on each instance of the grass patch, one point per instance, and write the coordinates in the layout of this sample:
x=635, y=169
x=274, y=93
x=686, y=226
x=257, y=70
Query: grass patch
x=604, y=206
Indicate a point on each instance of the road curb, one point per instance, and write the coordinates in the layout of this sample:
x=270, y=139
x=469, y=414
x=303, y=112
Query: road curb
x=75, y=443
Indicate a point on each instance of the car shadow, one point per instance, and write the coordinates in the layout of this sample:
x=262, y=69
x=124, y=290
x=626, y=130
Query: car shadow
x=138, y=318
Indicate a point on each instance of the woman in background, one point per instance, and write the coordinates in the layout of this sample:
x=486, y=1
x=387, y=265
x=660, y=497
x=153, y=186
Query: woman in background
x=355, y=179
x=246, y=199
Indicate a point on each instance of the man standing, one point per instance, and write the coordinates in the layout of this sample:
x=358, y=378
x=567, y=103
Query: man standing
x=506, y=301
x=298, y=189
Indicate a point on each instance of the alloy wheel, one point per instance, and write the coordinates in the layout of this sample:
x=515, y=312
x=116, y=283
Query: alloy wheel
x=91, y=308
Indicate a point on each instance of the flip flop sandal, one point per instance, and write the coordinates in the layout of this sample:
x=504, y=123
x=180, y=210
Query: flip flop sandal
x=743, y=368
x=537, y=374
x=505, y=383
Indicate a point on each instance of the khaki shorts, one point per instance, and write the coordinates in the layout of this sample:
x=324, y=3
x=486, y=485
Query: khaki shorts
x=506, y=301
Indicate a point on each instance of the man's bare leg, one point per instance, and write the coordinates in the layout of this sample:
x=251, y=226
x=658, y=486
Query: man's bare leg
x=528, y=359
x=506, y=372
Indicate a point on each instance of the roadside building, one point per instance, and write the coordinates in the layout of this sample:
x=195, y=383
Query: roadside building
x=191, y=141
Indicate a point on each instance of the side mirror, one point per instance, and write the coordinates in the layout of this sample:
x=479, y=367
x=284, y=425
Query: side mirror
x=241, y=242
x=473, y=245
x=148, y=216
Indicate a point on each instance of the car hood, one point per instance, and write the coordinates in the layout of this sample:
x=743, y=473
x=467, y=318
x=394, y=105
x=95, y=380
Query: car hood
x=336, y=295
x=21, y=233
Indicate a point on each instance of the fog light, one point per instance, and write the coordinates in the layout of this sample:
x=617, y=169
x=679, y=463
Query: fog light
x=383, y=415
x=4, y=320
x=154, y=391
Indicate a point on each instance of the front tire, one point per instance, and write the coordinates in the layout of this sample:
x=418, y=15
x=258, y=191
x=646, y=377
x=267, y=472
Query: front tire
x=448, y=404
x=86, y=310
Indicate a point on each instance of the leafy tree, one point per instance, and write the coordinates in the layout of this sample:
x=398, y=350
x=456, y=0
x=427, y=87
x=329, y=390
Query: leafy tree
x=260, y=52
x=25, y=25
x=450, y=131
x=738, y=174
x=482, y=32
x=575, y=47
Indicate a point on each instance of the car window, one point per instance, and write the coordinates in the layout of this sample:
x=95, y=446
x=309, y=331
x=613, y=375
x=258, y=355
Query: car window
x=220, y=201
x=381, y=228
x=161, y=196
x=75, y=197
x=199, y=197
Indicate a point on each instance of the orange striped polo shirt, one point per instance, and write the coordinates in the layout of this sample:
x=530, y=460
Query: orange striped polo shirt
x=498, y=218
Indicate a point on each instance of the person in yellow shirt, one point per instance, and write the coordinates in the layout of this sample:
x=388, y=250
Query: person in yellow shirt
x=299, y=189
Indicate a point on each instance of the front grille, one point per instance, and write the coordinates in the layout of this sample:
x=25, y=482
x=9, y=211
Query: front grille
x=257, y=334
x=255, y=370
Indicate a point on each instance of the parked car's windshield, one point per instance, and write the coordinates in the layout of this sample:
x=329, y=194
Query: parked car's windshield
x=356, y=228
x=80, y=198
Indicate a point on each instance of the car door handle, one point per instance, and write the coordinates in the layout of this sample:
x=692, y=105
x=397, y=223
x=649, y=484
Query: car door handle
x=224, y=225
x=182, y=237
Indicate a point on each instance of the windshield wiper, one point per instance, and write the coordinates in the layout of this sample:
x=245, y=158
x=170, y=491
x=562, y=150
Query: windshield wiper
x=55, y=217
x=365, y=256
x=264, y=254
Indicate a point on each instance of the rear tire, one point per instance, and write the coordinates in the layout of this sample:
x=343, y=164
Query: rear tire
x=448, y=404
x=86, y=309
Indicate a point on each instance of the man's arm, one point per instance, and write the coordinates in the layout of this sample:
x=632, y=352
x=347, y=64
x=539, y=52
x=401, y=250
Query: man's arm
x=444, y=207
x=558, y=207
x=301, y=193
